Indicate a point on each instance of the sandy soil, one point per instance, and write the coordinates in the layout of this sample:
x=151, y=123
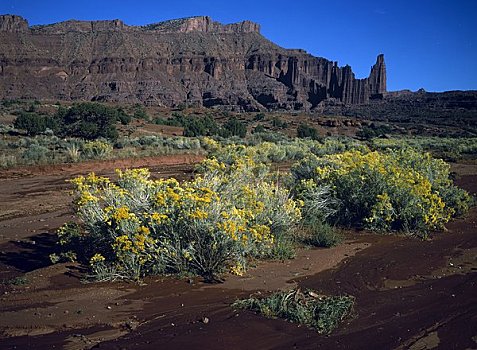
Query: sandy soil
x=410, y=294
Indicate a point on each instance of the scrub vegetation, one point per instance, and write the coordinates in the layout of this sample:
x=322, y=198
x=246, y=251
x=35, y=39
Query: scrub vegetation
x=319, y=312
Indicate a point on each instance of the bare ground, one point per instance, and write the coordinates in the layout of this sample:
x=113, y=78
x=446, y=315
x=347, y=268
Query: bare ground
x=410, y=294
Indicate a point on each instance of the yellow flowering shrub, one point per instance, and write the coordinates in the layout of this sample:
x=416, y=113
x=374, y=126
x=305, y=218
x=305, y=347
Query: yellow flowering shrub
x=137, y=226
x=96, y=149
x=284, y=149
x=395, y=190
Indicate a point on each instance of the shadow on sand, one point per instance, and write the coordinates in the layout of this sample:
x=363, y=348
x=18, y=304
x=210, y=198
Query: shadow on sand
x=28, y=255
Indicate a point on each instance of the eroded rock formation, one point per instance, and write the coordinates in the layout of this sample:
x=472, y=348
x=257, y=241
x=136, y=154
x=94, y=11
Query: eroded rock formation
x=377, y=78
x=194, y=60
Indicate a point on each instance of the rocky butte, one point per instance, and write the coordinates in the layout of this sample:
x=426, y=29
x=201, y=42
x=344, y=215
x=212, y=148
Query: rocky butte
x=194, y=61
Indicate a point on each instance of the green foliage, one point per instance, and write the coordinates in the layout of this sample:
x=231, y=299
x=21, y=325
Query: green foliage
x=318, y=202
x=96, y=149
x=283, y=249
x=321, y=234
x=200, y=126
x=34, y=123
x=140, y=112
x=138, y=226
x=318, y=206
x=397, y=190
x=73, y=153
x=259, y=116
x=69, y=238
x=306, y=131
x=234, y=127
x=9, y=103
x=193, y=126
x=36, y=154
x=7, y=161
x=89, y=121
x=267, y=148
x=457, y=199
x=278, y=123
x=43, y=149
x=258, y=129
x=174, y=121
x=15, y=281
x=369, y=132
x=442, y=147
x=267, y=136
x=322, y=313
x=123, y=117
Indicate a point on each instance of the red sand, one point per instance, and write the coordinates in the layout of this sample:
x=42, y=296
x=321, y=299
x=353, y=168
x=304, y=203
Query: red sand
x=410, y=294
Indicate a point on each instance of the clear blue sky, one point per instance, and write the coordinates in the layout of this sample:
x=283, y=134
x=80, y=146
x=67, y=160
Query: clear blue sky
x=427, y=43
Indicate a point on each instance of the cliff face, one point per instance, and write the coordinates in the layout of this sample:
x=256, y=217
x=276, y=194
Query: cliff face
x=194, y=60
x=13, y=24
x=377, y=78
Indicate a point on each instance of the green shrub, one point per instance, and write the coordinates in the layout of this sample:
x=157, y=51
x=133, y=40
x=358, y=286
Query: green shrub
x=269, y=136
x=34, y=123
x=15, y=281
x=306, y=131
x=216, y=222
x=168, y=121
x=318, y=206
x=140, y=112
x=205, y=126
x=36, y=154
x=123, y=117
x=278, y=123
x=369, y=132
x=456, y=198
x=9, y=103
x=397, y=190
x=321, y=234
x=443, y=147
x=322, y=313
x=258, y=129
x=234, y=127
x=259, y=116
x=284, y=248
x=96, y=149
x=271, y=148
x=7, y=161
x=88, y=121
x=193, y=126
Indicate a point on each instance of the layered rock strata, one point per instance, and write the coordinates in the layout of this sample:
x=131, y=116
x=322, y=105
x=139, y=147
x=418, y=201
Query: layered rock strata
x=194, y=61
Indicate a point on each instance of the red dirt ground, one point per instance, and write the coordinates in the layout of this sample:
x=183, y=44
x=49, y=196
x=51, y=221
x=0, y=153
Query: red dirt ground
x=410, y=294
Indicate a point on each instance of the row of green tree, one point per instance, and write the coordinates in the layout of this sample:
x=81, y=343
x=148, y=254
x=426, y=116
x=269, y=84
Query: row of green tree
x=93, y=120
x=205, y=126
x=83, y=120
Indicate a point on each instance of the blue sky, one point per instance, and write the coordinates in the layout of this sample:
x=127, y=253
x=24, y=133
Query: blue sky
x=427, y=43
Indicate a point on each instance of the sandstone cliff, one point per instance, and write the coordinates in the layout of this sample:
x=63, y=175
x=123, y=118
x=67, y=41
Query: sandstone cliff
x=194, y=60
